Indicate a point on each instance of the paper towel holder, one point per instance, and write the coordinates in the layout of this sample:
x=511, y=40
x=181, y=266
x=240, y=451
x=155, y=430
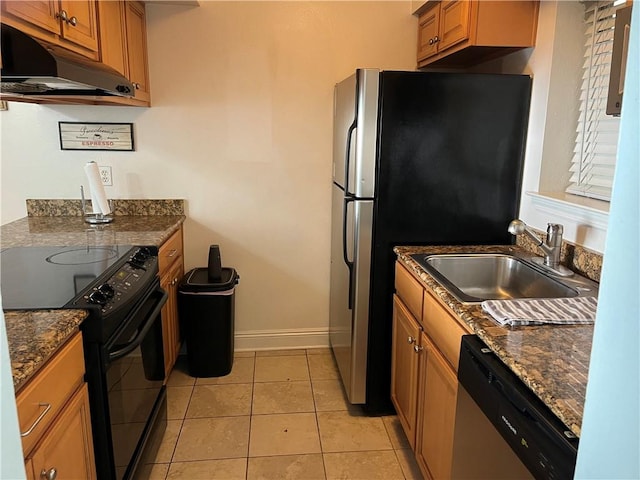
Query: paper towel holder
x=94, y=218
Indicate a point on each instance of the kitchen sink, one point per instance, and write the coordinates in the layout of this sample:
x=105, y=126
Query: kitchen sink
x=473, y=278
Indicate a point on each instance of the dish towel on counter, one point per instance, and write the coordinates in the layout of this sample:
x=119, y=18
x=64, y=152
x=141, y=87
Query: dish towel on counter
x=556, y=311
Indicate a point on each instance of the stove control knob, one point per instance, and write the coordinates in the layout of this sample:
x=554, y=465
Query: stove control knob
x=98, y=298
x=107, y=290
x=140, y=257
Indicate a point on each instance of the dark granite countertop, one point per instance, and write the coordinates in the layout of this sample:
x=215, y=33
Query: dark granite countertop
x=73, y=230
x=34, y=336
x=553, y=361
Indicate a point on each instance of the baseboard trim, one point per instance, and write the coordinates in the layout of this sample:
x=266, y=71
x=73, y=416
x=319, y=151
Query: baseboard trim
x=281, y=339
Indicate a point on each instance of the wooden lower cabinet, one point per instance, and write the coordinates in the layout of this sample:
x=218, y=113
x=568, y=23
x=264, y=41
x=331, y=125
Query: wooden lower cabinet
x=171, y=265
x=67, y=448
x=404, y=367
x=28, y=468
x=438, y=387
x=170, y=325
x=424, y=383
x=54, y=417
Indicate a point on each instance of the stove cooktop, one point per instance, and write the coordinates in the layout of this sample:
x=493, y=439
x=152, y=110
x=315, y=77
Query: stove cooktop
x=49, y=277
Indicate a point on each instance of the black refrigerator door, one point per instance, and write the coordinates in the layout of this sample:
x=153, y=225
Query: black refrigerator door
x=449, y=170
x=450, y=156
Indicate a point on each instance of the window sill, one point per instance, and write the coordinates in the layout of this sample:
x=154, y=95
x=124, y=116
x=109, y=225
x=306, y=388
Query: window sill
x=583, y=210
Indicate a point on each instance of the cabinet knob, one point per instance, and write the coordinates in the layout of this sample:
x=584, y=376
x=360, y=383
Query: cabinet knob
x=418, y=348
x=136, y=85
x=411, y=340
x=62, y=14
x=73, y=21
x=431, y=41
x=50, y=474
x=436, y=39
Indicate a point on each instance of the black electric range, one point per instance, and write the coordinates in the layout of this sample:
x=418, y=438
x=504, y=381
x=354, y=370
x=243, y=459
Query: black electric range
x=122, y=337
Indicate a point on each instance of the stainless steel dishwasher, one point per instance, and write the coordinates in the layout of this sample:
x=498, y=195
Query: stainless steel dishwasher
x=503, y=430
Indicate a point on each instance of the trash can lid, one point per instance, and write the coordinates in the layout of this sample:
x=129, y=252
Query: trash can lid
x=197, y=280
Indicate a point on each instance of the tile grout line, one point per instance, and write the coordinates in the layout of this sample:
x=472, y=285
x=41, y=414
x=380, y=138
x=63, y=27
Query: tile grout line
x=184, y=417
x=315, y=413
x=253, y=385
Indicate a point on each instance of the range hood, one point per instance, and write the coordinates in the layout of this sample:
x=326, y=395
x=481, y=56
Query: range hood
x=31, y=69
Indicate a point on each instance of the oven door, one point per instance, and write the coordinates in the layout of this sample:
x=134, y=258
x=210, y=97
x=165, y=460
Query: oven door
x=135, y=381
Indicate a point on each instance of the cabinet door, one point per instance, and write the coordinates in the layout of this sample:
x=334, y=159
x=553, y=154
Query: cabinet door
x=41, y=14
x=68, y=446
x=113, y=36
x=436, y=412
x=82, y=26
x=137, y=49
x=454, y=23
x=28, y=469
x=170, y=325
x=427, y=33
x=404, y=368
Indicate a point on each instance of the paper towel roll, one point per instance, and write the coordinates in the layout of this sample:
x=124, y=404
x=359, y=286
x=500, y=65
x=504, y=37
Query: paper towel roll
x=98, y=196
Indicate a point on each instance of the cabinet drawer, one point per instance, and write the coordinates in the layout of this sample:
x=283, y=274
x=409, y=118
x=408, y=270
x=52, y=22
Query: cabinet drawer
x=409, y=290
x=170, y=251
x=44, y=396
x=443, y=329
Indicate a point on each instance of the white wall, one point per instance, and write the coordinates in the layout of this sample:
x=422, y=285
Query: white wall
x=610, y=439
x=241, y=127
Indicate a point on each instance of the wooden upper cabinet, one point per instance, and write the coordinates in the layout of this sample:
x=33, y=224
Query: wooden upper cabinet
x=459, y=33
x=454, y=23
x=72, y=25
x=36, y=14
x=113, y=36
x=81, y=27
x=123, y=45
x=137, y=49
x=427, y=33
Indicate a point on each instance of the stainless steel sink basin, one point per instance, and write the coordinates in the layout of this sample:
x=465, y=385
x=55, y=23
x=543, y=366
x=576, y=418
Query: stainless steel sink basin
x=476, y=277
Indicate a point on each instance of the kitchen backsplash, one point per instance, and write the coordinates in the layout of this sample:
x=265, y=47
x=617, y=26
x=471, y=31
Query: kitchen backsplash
x=73, y=208
x=575, y=257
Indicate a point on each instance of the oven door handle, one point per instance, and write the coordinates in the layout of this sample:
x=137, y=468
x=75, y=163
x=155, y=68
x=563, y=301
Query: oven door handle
x=137, y=340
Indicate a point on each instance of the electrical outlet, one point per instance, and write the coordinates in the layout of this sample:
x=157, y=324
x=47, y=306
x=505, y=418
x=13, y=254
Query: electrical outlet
x=105, y=176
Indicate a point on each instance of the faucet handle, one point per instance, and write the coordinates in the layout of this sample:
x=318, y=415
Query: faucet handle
x=554, y=234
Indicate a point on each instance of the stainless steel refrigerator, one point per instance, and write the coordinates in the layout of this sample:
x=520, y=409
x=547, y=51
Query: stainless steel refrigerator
x=418, y=159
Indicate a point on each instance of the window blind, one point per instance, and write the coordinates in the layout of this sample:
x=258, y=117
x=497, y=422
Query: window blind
x=593, y=162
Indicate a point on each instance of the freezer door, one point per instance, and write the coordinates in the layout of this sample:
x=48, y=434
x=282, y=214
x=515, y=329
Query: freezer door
x=355, y=109
x=349, y=291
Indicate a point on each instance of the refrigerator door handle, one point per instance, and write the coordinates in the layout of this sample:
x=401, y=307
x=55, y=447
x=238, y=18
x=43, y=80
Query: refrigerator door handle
x=347, y=156
x=345, y=253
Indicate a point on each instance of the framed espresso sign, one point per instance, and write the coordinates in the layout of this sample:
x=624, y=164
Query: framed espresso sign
x=96, y=136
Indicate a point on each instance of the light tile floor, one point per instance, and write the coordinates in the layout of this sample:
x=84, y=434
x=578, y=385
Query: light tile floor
x=277, y=415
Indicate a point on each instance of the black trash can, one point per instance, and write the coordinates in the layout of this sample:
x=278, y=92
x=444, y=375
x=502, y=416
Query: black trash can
x=206, y=315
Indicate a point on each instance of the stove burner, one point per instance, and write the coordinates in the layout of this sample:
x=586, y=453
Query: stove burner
x=83, y=256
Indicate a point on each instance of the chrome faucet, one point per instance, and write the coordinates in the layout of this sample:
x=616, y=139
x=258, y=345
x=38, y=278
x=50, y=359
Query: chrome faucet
x=551, y=246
